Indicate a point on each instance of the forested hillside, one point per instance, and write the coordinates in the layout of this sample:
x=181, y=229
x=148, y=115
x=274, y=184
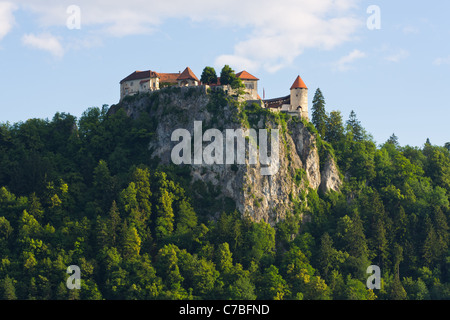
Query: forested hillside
x=85, y=192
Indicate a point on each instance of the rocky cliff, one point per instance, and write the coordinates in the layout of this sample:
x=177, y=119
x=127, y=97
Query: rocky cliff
x=262, y=197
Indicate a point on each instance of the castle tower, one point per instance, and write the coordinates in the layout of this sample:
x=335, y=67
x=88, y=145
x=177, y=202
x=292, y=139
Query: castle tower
x=299, y=99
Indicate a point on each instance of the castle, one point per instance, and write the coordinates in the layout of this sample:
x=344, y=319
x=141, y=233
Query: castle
x=295, y=104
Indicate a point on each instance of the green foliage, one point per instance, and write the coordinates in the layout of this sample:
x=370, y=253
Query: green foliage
x=208, y=76
x=228, y=77
x=86, y=192
x=319, y=115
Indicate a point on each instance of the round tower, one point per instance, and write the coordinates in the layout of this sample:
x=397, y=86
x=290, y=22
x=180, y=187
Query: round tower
x=299, y=99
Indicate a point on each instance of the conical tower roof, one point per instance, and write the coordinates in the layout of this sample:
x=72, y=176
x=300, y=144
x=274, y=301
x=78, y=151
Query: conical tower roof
x=244, y=75
x=187, y=74
x=299, y=84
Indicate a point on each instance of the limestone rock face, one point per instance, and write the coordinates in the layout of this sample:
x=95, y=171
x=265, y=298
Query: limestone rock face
x=262, y=197
x=330, y=176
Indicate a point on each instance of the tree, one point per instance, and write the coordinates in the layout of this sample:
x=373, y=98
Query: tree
x=430, y=247
x=204, y=278
x=5, y=228
x=187, y=219
x=438, y=166
x=101, y=233
x=242, y=288
x=397, y=290
x=35, y=207
x=208, y=76
x=261, y=241
x=319, y=115
x=167, y=267
x=141, y=179
x=165, y=219
x=104, y=185
x=334, y=128
x=113, y=224
x=447, y=146
x=271, y=285
x=356, y=290
x=378, y=240
x=393, y=139
x=328, y=257
x=354, y=126
x=228, y=77
x=132, y=243
x=350, y=232
x=224, y=260
x=29, y=227
x=8, y=289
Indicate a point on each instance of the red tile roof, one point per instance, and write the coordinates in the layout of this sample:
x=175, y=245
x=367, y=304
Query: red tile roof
x=187, y=74
x=168, y=77
x=298, y=83
x=138, y=75
x=244, y=75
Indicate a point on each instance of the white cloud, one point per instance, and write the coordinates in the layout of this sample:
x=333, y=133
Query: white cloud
x=273, y=33
x=285, y=31
x=6, y=18
x=441, y=61
x=46, y=42
x=396, y=57
x=410, y=29
x=345, y=62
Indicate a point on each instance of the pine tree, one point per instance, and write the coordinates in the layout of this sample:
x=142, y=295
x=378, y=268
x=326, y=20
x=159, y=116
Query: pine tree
x=9, y=290
x=379, y=240
x=141, y=179
x=224, y=258
x=104, y=185
x=334, y=128
x=187, y=218
x=354, y=125
x=113, y=223
x=447, y=146
x=429, y=247
x=393, y=139
x=319, y=115
x=326, y=253
x=132, y=243
x=165, y=219
x=101, y=233
x=397, y=290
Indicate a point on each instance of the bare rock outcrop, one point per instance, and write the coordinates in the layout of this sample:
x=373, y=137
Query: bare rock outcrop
x=262, y=197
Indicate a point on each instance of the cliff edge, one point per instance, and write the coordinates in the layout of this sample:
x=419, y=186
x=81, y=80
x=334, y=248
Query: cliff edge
x=262, y=197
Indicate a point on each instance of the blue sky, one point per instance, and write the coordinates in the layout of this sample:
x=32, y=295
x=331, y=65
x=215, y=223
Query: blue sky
x=396, y=78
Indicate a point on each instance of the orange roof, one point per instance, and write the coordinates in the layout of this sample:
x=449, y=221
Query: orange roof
x=244, y=75
x=168, y=77
x=187, y=74
x=138, y=75
x=299, y=84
